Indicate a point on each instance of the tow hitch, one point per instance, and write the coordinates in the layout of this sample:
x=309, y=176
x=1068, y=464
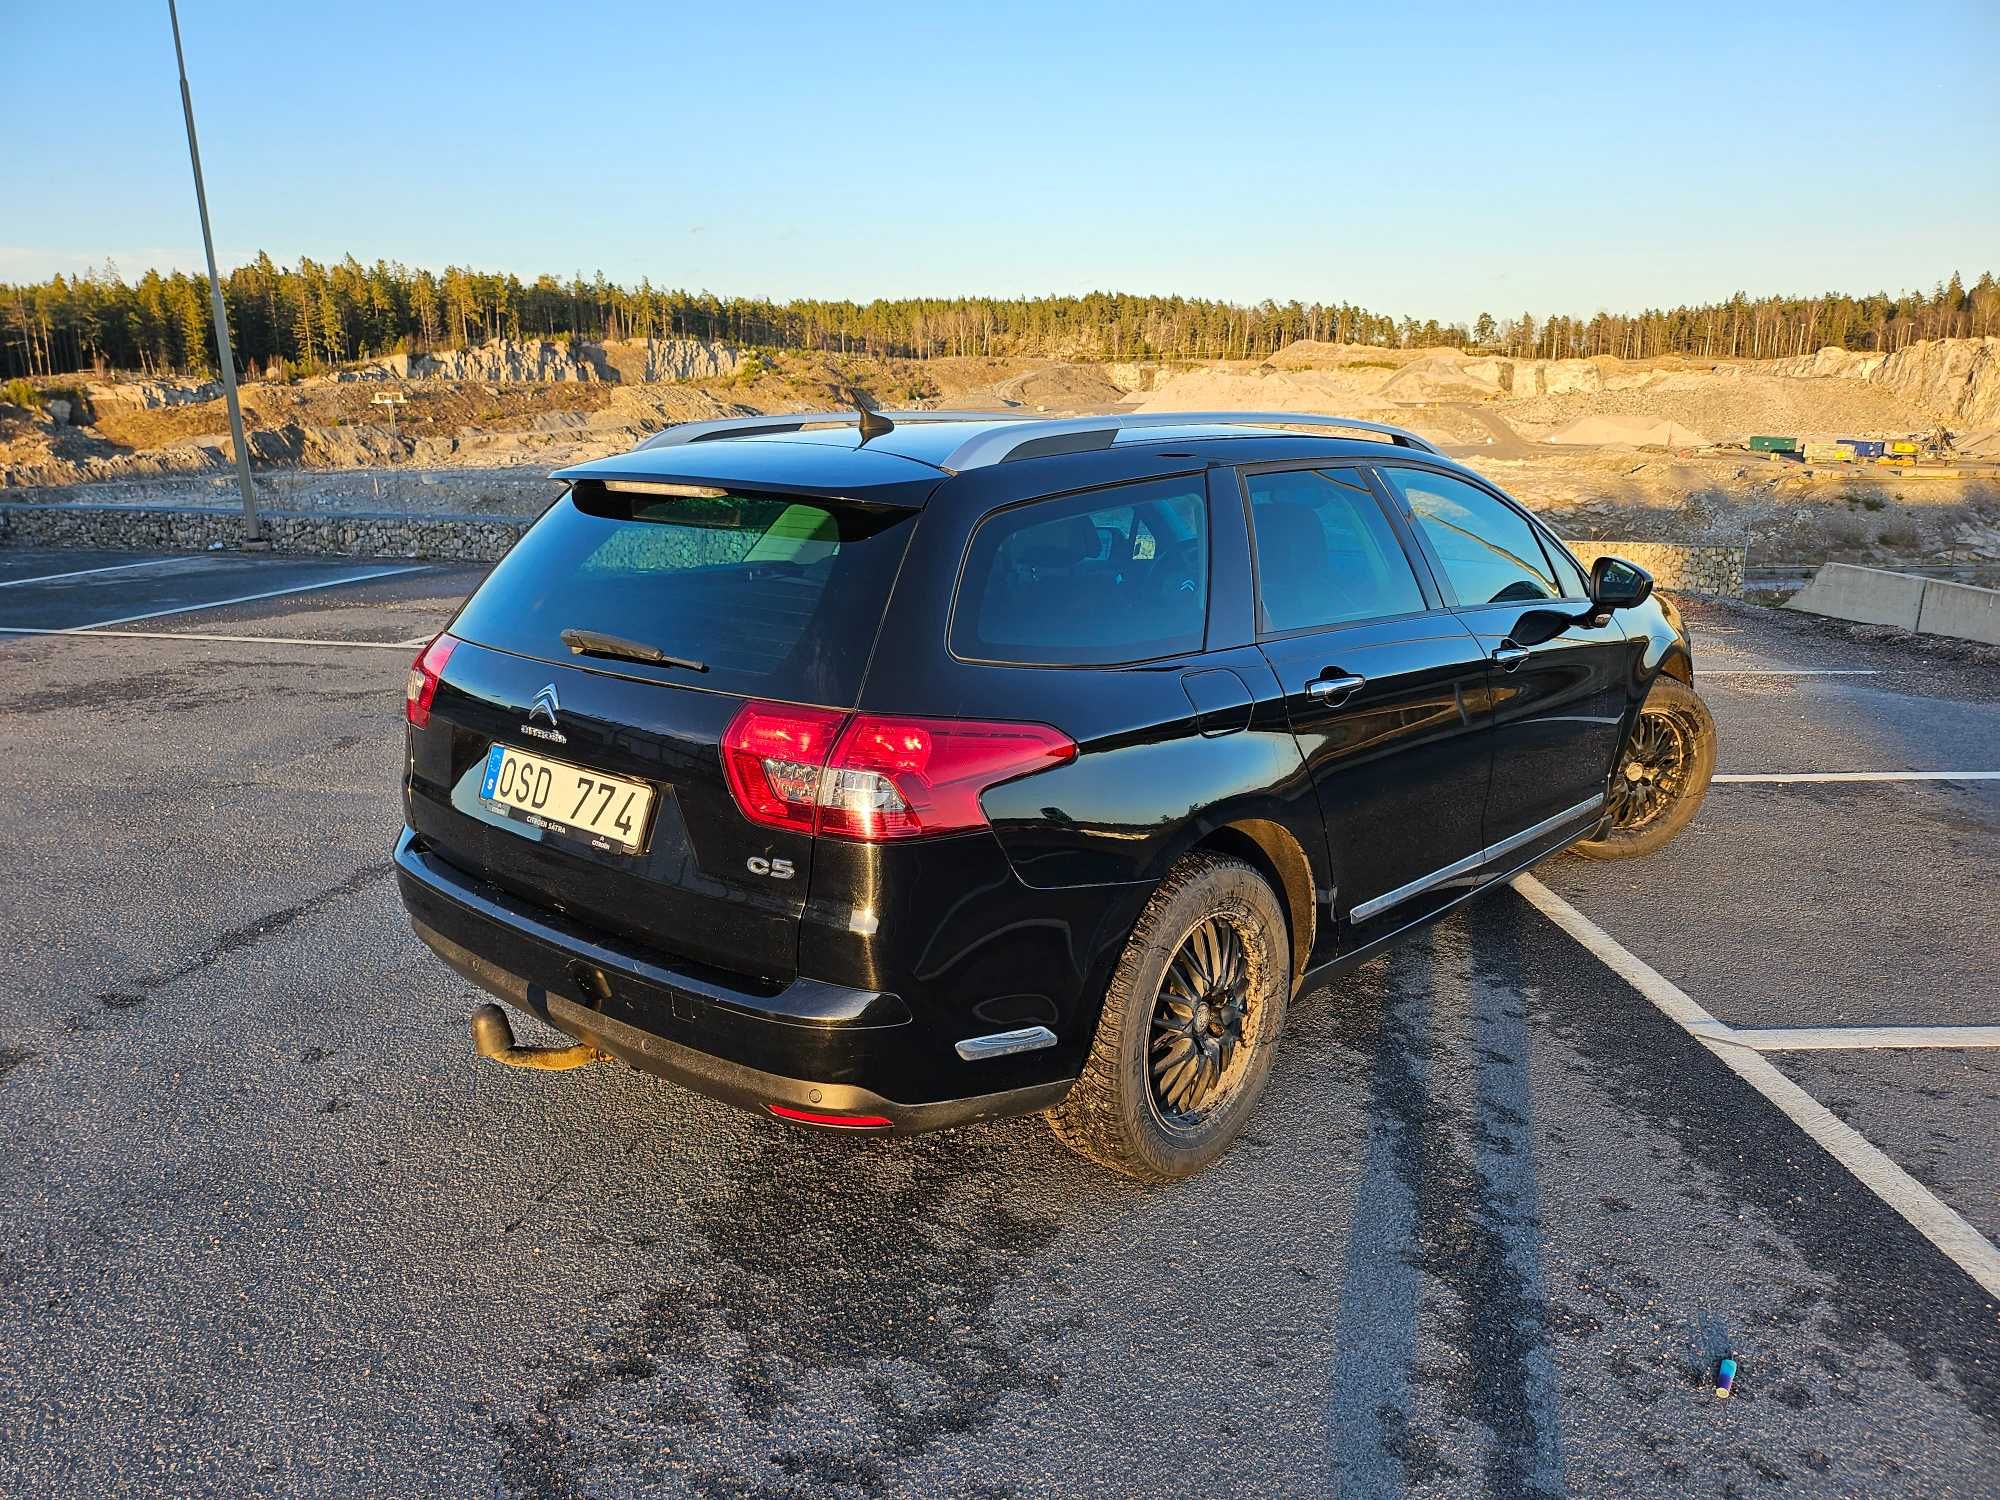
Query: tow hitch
x=493, y=1037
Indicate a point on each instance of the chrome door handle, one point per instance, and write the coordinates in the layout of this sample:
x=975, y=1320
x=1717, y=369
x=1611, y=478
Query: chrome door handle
x=1334, y=689
x=1510, y=657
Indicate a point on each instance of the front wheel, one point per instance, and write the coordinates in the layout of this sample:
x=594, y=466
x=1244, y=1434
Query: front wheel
x=1189, y=1027
x=1662, y=774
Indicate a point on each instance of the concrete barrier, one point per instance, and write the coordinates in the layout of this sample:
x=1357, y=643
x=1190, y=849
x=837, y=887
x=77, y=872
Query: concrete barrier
x=1909, y=601
x=1870, y=596
x=1962, y=610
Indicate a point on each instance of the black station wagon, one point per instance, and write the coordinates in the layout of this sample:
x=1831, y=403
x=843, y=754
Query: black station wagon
x=889, y=773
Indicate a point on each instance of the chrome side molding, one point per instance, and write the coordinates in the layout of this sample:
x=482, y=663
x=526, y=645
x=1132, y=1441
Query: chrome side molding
x=1005, y=1043
x=1472, y=861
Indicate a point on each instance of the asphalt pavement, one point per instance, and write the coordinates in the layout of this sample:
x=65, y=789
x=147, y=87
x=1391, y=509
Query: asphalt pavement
x=267, y=1226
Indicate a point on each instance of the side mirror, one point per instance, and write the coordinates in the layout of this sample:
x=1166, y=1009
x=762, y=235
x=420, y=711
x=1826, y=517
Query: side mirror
x=1618, y=584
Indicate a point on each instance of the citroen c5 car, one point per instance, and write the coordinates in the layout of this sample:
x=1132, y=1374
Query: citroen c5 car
x=889, y=773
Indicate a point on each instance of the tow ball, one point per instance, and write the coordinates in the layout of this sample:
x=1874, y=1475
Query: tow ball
x=493, y=1038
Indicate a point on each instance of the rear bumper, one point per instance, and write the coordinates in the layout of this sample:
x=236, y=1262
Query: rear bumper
x=810, y=1046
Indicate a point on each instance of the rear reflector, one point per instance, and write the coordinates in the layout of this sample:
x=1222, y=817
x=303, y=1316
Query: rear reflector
x=425, y=673
x=837, y=1122
x=874, y=777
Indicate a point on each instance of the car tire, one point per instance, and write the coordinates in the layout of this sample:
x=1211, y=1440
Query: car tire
x=1662, y=774
x=1191, y=1022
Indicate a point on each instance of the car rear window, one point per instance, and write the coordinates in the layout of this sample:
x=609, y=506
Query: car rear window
x=776, y=595
x=1110, y=576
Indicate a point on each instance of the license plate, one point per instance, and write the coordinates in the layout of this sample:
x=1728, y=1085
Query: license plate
x=567, y=800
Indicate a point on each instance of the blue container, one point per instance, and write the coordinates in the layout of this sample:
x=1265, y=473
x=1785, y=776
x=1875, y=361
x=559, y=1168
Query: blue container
x=1865, y=447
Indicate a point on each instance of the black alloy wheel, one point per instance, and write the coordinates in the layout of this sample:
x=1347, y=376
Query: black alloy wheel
x=1199, y=1021
x=1653, y=773
x=1190, y=1024
x=1660, y=778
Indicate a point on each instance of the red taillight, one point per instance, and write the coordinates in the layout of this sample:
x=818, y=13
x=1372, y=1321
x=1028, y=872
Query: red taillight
x=894, y=778
x=837, y=1122
x=879, y=777
x=773, y=755
x=424, y=674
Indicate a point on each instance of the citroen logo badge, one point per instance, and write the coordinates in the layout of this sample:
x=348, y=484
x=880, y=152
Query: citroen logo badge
x=545, y=705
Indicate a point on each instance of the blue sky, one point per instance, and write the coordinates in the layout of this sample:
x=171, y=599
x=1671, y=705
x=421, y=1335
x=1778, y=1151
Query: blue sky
x=1435, y=160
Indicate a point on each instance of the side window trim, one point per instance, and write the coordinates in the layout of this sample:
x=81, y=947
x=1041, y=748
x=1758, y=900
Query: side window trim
x=1434, y=602
x=1197, y=478
x=1559, y=553
x=1430, y=577
x=1406, y=522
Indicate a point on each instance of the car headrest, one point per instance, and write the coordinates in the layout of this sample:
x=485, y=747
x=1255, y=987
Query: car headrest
x=1062, y=544
x=1290, y=534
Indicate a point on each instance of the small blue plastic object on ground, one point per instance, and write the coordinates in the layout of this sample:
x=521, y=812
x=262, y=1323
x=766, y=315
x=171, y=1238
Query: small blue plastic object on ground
x=1725, y=1379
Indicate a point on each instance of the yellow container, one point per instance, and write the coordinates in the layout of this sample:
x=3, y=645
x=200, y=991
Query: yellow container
x=1902, y=445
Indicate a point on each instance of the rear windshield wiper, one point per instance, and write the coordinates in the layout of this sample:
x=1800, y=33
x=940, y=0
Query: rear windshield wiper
x=597, y=643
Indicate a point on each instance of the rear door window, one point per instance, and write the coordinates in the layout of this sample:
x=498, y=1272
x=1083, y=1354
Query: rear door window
x=1097, y=579
x=1489, y=552
x=1326, y=554
x=776, y=596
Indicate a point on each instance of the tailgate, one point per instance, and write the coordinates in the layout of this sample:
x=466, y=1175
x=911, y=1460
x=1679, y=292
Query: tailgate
x=619, y=638
x=688, y=891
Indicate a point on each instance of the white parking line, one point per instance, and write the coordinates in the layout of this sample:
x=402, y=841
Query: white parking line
x=302, y=588
x=151, y=562
x=1788, y=776
x=195, y=635
x=1967, y=1248
x=1829, y=1038
x=1791, y=672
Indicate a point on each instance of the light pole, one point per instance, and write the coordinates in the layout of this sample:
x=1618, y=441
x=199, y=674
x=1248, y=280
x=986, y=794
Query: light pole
x=253, y=529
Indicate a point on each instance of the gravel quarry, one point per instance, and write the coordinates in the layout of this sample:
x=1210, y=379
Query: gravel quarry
x=1649, y=450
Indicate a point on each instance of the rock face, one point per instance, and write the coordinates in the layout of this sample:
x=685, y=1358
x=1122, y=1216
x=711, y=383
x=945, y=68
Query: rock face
x=690, y=359
x=504, y=361
x=508, y=361
x=1829, y=363
x=1959, y=379
x=149, y=395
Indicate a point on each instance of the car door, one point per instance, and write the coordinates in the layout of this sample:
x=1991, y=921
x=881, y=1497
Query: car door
x=1559, y=704
x=1383, y=686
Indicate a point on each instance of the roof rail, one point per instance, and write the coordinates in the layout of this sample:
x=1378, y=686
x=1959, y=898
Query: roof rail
x=1081, y=434
x=732, y=427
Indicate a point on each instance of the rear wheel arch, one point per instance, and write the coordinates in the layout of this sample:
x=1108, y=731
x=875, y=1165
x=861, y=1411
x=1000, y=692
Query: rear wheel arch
x=1270, y=849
